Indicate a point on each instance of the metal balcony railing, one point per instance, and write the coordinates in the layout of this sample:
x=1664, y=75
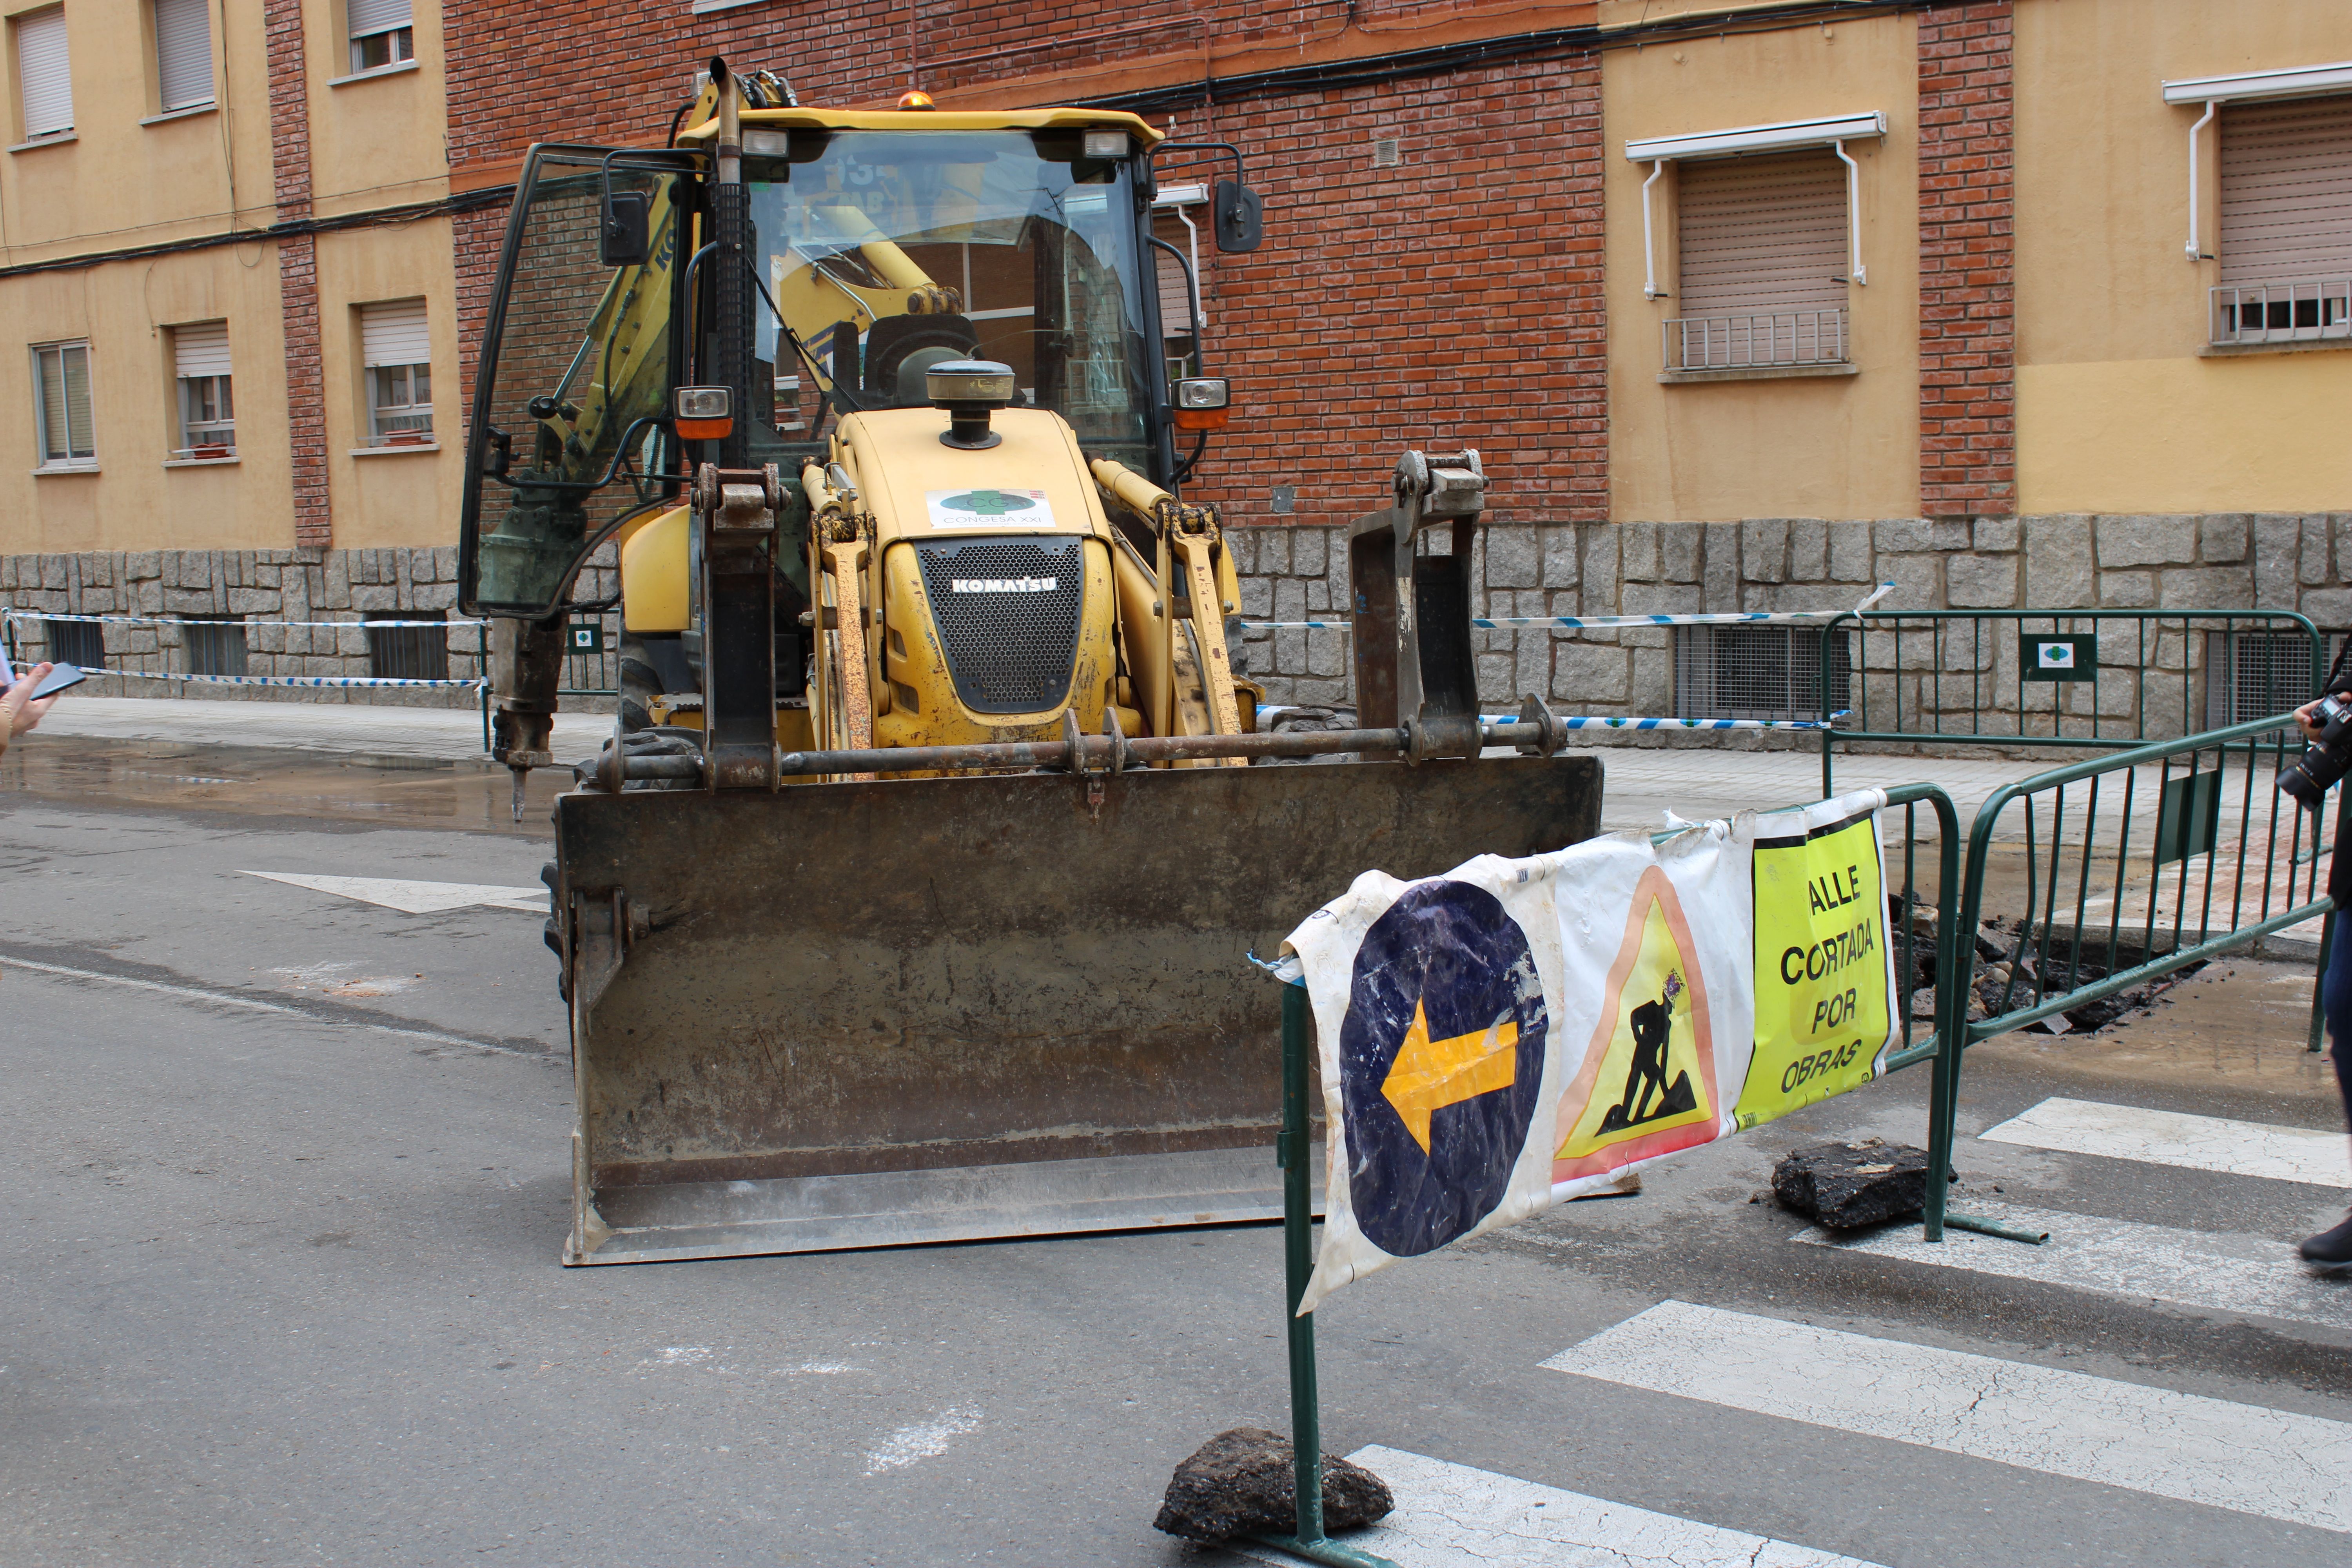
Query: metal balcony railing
x=1769, y=338
x=2290, y=311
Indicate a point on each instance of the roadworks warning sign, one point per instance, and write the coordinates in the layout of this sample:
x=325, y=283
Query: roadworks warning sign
x=1517, y=1032
x=1824, y=971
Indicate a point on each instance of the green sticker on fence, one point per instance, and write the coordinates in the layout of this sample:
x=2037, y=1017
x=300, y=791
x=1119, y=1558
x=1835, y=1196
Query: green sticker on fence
x=2048, y=657
x=587, y=636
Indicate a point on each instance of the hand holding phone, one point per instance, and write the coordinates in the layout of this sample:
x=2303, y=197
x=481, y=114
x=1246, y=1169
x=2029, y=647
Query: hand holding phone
x=24, y=703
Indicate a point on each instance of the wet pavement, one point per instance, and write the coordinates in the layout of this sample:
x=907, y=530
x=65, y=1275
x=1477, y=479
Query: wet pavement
x=291, y=1165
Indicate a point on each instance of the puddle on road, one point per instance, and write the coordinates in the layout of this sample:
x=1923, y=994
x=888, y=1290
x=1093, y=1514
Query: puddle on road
x=471, y=794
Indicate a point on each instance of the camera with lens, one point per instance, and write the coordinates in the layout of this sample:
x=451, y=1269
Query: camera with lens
x=2316, y=772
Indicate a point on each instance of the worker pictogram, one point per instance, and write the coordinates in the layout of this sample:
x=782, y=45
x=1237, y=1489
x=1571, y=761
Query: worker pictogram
x=1441, y=1061
x=1648, y=1082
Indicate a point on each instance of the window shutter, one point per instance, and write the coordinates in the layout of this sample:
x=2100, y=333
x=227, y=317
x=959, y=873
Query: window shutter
x=393, y=333
x=183, y=53
x=372, y=16
x=44, y=77
x=2286, y=189
x=1762, y=234
x=201, y=350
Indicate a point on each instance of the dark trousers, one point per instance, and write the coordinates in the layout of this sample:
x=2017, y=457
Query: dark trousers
x=2336, y=1000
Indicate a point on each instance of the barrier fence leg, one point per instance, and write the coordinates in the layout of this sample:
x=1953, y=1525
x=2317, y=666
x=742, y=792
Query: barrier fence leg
x=1299, y=1263
x=2319, y=985
x=1828, y=793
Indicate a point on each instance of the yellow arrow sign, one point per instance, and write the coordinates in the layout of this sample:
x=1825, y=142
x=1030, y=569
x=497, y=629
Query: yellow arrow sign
x=1430, y=1075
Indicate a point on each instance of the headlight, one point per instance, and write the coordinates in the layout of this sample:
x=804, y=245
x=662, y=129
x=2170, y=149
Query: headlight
x=1203, y=392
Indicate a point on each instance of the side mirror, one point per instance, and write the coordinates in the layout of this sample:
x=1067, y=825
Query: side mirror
x=1240, y=216
x=625, y=236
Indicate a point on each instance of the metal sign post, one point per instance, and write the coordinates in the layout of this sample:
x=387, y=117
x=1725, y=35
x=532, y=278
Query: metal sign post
x=1298, y=1255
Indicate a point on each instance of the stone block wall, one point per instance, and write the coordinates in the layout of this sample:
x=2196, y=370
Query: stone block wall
x=2223, y=561
x=268, y=589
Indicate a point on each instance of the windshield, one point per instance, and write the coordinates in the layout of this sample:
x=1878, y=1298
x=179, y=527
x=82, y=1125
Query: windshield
x=888, y=252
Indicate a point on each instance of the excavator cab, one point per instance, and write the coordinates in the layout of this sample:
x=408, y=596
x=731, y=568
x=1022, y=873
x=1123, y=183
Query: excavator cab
x=911, y=899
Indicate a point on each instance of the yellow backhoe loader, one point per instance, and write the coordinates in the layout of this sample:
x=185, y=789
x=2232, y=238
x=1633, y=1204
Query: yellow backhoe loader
x=911, y=899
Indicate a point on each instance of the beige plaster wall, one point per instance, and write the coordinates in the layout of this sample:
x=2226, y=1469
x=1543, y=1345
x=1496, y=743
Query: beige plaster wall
x=133, y=502
x=117, y=182
x=390, y=497
x=2119, y=410
x=1838, y=448
x=380, y=140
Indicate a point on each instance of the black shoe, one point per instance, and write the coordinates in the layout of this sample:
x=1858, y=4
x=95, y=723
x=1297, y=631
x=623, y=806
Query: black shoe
x=2330, y=1245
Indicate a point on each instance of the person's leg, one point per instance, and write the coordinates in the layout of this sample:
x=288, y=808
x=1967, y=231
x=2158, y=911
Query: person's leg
x=2335, y=1001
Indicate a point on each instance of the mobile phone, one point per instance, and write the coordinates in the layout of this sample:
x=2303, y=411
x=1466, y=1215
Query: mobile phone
x=60, y=677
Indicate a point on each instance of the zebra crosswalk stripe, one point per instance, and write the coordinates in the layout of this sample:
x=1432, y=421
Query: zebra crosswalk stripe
x=1452, y=1516
x=2176, y=1138
x=2276, y=1464
x=2214, y=1271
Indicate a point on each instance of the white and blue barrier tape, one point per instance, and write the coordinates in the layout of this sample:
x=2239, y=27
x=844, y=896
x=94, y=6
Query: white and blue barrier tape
x=181, y=621
x=310, y=681
x=1603, y=623
x=282, y=679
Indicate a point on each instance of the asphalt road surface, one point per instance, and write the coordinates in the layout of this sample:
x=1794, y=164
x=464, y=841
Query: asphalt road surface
x=291, y=1173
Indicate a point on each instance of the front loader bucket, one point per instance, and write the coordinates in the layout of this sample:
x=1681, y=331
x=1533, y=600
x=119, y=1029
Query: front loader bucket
x=916, y=1010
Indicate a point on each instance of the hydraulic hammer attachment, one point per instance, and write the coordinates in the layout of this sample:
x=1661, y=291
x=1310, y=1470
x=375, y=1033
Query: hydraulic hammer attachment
x=937, y=1009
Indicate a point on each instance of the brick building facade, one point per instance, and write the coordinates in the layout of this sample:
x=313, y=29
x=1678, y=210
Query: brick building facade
x=2033, y=400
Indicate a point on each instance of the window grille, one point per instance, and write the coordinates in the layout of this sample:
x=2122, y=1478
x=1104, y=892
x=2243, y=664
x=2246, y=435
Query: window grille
x=62, y=415
x=215, y=644
x=408, y=653
x=44, y=74
x=2254, y=675
x=381, y=33
x=81, y=644
x=1757, y=672
x=183, y=53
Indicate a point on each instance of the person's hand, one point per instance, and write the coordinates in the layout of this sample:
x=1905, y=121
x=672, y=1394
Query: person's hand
x=18, y=712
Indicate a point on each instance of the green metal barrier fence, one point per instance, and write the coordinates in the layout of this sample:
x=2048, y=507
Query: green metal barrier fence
x=1293, y=1145
x=2204, y=859
x=2103, y=679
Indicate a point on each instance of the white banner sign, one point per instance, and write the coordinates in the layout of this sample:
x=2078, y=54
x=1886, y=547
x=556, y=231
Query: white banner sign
x=1517, y=1032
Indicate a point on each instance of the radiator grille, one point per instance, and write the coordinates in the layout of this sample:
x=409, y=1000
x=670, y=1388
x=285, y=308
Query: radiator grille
x=1008, y=612
x=1757, y=672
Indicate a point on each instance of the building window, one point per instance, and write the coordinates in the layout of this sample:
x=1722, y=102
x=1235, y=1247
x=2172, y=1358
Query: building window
x=62, y=415
x=81, y=644
x=380, y=34
x=396, y=354
x=1763, y=258
x=44, y=76
x=1757, y=672
x=215, y=644
x=200, y=371
x=408, y=653
x=2286, y=222
x=1177, y=213
x=183, y=54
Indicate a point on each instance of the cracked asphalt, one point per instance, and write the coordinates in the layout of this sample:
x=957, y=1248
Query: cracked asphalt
x=291, y=1177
